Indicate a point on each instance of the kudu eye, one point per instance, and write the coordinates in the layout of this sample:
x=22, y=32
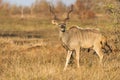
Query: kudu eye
x=59, y=25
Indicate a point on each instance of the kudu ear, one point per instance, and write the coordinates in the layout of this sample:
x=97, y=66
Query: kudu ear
x=54, y=22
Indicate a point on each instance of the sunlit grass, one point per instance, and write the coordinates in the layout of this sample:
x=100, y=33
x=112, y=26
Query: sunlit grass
x=21, y=62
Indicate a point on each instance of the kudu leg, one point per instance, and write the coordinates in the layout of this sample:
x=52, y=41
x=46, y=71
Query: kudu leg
x=67, y=59
x=99, y=52
x=109, y=48
x=77, y=57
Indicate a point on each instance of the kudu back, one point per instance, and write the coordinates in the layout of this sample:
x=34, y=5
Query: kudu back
x=76, y=38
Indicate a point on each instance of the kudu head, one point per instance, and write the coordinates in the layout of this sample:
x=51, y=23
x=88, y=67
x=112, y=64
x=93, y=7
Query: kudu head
x=60, y=23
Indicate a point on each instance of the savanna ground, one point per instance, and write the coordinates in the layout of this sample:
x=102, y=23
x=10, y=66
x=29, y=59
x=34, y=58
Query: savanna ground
x=30, y=50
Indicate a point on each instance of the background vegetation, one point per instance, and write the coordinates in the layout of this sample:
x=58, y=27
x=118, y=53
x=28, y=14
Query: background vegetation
x=30, y=48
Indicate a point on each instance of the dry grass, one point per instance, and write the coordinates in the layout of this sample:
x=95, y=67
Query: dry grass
x=43, y=58
x=41, y=62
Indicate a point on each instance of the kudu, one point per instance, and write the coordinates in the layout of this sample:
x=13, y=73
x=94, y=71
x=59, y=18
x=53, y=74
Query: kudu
x=76, y=38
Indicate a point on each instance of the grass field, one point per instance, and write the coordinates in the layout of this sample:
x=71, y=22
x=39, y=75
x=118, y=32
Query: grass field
x=30, y=50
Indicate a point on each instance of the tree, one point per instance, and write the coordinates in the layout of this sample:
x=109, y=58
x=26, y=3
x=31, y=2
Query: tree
x=60, y=6
x=14, y=10
x=22, y=12
x=84, y=9
x=32, y=9
x=5, y=8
